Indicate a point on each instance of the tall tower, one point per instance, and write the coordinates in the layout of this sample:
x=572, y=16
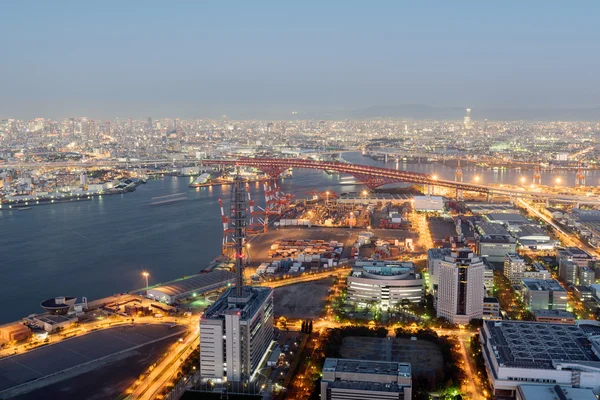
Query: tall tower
x=238, y=220
x=467, y=121
x=460, y=288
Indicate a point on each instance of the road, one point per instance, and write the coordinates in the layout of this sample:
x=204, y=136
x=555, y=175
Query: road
x=306, y=278
x=567, y=238
x=166, y=370
x=472, y=385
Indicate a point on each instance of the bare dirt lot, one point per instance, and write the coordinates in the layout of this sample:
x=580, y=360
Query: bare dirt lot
x=302, y=300
x=423, y=356
x=261, y=244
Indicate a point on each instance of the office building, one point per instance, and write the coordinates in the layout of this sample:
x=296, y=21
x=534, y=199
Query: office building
x=514, y=268
x=434, y=257
x=536, y=271
x=568, y=271
x=347, y=379
x=491, y=309
x=460, y=289
x=569, y=261
x=517, y=353
x=587, y=276
x=555, y=317
x=385, y=285
x=488, y=278
x=545, y=294
x=236, y=334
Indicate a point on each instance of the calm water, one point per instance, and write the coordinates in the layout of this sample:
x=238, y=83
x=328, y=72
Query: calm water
x=100, y=247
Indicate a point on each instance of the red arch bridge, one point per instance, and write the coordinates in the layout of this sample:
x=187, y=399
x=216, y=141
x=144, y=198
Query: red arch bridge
x=372, y=177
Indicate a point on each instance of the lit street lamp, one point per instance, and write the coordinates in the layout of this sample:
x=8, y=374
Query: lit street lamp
x=146, y=275
x=558, y=180
x=523, y=179
x=476, y=178
x=327, y=193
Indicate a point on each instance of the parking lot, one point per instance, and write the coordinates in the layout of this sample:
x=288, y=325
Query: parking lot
x=302, y=300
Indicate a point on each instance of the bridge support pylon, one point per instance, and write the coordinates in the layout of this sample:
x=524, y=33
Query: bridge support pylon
x=579, y=177
x=537, y=175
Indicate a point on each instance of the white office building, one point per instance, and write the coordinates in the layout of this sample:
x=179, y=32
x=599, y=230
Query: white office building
x=385, y=285
x=236, y=334
x=347, y=379
x=461, y=289
x=434, y=257
x=514, y=268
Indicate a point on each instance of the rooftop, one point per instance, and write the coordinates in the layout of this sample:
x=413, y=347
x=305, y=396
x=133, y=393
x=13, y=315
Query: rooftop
x=369, y=386
x=555, y=392
x=395, y=369
x=553, y=313
x=511, y=218
x=531, y=230
x=521, y=344
x=491, y=229
x=257, y=295
x=195, y=282
x=542, y=284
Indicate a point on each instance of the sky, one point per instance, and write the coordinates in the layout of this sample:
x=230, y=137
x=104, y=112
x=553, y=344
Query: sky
x=195, y=59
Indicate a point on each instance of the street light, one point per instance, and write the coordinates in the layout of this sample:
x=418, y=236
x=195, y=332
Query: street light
x=434, y=177
x=523, y=179
x=146, y=275
x=327, y=193
x=476, y=178
x=558, y=180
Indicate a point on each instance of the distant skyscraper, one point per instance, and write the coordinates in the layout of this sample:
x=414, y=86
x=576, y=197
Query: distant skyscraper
x=485, y=125
x=460, y=288
x=467, y=121
x=107, y=128
x=150, y=126
x=92, y=129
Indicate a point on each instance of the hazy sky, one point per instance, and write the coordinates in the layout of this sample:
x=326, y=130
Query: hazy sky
x=107, y=59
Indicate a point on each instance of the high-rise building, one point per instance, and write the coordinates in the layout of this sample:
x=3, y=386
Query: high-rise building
x=347, y=379
x=514, y=268
x=434, y=257
x=460, y=288
x=236, y=334
x=467, y=121
x=107, y=128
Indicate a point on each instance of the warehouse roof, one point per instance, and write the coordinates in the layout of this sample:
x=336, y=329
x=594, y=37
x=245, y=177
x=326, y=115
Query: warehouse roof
x=539, y=345
x=195, y=282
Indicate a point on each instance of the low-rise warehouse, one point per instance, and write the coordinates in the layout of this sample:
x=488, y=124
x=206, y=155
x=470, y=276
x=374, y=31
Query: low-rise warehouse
x=172, y=291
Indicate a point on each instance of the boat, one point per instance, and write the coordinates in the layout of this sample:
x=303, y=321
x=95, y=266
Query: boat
x=200, y=181
x=23, y=208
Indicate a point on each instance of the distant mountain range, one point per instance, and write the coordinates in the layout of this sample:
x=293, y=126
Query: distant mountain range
x=419, y=111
